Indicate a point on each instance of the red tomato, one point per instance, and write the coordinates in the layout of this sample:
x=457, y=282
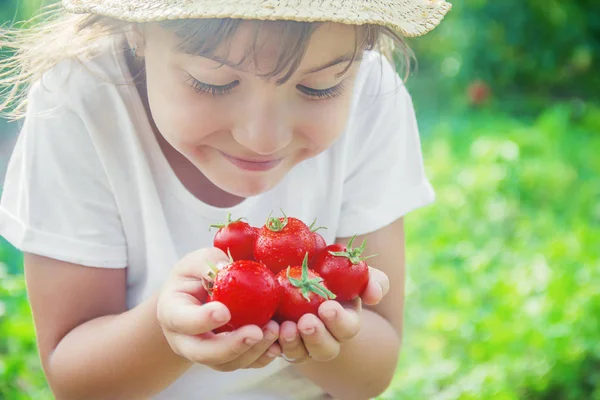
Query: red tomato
x=302, y=292
x=237, y=238
x=283, y=242
x=320, y=245
x=249, y=290
x=344, y=270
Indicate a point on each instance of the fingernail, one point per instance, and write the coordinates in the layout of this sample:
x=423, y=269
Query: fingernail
x=219, y=316
x=271, y=354
x=329, y=314
x=250, y=341
x=380, y=290
x=308, y=331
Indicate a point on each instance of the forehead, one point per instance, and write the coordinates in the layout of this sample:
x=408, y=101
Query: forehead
x=259, y=45
x=268, y=40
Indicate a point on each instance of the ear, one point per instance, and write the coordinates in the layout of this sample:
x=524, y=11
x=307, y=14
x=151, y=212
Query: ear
x=135, y=39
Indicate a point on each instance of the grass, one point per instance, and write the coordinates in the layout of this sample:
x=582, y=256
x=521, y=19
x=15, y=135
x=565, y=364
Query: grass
x=504, y=270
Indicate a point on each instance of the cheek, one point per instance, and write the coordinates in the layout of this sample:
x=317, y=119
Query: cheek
x=324, y=121
x=182, y=115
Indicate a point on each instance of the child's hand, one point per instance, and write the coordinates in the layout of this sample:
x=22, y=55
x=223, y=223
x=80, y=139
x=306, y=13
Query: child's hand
x=320, y=337
x=187, y=323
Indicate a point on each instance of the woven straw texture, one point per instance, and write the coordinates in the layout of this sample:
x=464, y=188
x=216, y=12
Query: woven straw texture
x=408, y=17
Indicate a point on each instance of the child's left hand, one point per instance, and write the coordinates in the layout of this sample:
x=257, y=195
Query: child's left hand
x=320, y=337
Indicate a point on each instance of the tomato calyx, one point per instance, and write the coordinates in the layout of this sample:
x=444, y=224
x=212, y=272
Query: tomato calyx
x=208, y=284
x=212, y=274
x=312, y=226
x=353, y=254
x=275, y=224
x=307, y=285
x=226, y=224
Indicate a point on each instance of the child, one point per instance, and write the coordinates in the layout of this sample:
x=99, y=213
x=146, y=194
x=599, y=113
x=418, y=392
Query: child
x=146, y=121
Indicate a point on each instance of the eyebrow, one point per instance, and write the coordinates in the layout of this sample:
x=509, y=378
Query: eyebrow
x=341, y=59
x=333, y=63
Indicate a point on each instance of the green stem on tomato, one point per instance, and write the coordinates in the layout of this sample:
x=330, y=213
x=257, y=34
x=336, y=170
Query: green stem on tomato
x=226, y=224
x=313, y=229
x=307, y=285
x=275, y=224
x=353, y=254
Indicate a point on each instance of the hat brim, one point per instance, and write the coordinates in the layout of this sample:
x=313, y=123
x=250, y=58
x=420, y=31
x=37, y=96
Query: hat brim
x=410, y=18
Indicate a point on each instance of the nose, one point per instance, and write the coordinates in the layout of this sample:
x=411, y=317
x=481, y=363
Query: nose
x=264, y=127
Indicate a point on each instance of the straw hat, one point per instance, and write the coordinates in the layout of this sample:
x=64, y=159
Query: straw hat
x=408, y=17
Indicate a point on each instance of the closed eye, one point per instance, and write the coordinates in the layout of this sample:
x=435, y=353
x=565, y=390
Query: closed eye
x=322, y=94
x=221, y=90
x=214, y=90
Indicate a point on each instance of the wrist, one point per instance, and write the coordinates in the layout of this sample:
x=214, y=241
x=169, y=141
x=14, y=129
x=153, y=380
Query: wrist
x=378, y=361
x=183, y=363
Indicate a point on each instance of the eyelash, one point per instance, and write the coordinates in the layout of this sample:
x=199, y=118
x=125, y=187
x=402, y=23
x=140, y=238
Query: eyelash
x=331, y=93
x=214, y=90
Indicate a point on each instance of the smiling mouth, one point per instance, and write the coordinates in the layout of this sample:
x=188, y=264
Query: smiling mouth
x=251, y=165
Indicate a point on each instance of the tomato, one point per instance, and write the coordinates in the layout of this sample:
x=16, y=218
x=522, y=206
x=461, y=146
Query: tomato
x=283, y=242
x=344, y=270
x=236, y=237
x=320, y=243
x=249, y=290
x=302, y=292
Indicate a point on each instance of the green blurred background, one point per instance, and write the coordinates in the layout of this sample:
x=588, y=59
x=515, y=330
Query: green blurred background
x=504, y=270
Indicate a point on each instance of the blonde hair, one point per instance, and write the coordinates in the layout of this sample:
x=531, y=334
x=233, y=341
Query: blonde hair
x=54, y=35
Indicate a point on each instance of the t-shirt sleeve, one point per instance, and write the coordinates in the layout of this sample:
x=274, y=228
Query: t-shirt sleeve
x=57, y=200
x=386, y=176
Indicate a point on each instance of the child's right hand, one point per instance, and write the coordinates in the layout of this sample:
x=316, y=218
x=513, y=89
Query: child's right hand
x=187, y=322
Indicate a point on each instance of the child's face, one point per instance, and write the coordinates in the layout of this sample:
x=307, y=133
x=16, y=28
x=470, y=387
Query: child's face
x=246, y=138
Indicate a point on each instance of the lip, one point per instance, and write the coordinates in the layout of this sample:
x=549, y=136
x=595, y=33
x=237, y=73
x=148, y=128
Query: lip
x=250, y=165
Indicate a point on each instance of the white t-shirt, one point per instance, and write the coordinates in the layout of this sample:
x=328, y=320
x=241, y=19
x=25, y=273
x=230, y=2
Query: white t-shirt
x=87, y=183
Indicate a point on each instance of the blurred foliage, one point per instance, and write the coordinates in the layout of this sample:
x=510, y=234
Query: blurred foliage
x=503, y=291
x=21, y=376
x=18, y=11
x=526, y=52
x=504, y=270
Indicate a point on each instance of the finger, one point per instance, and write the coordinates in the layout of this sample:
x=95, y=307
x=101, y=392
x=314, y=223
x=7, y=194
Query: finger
x=270, y=335
x=214, y=350
x=319, y=343
x=197, y=264
x=182, y=315
x=343, y=322
x=292, y=347
x=267, y=358
x=193, y=271
x=193, y=289
x=377, y=287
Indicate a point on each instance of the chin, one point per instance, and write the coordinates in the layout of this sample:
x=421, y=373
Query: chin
x=247, y=188
x=244, y=185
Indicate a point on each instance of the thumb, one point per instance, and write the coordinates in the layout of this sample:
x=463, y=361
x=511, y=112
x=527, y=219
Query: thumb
x=377, y=288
